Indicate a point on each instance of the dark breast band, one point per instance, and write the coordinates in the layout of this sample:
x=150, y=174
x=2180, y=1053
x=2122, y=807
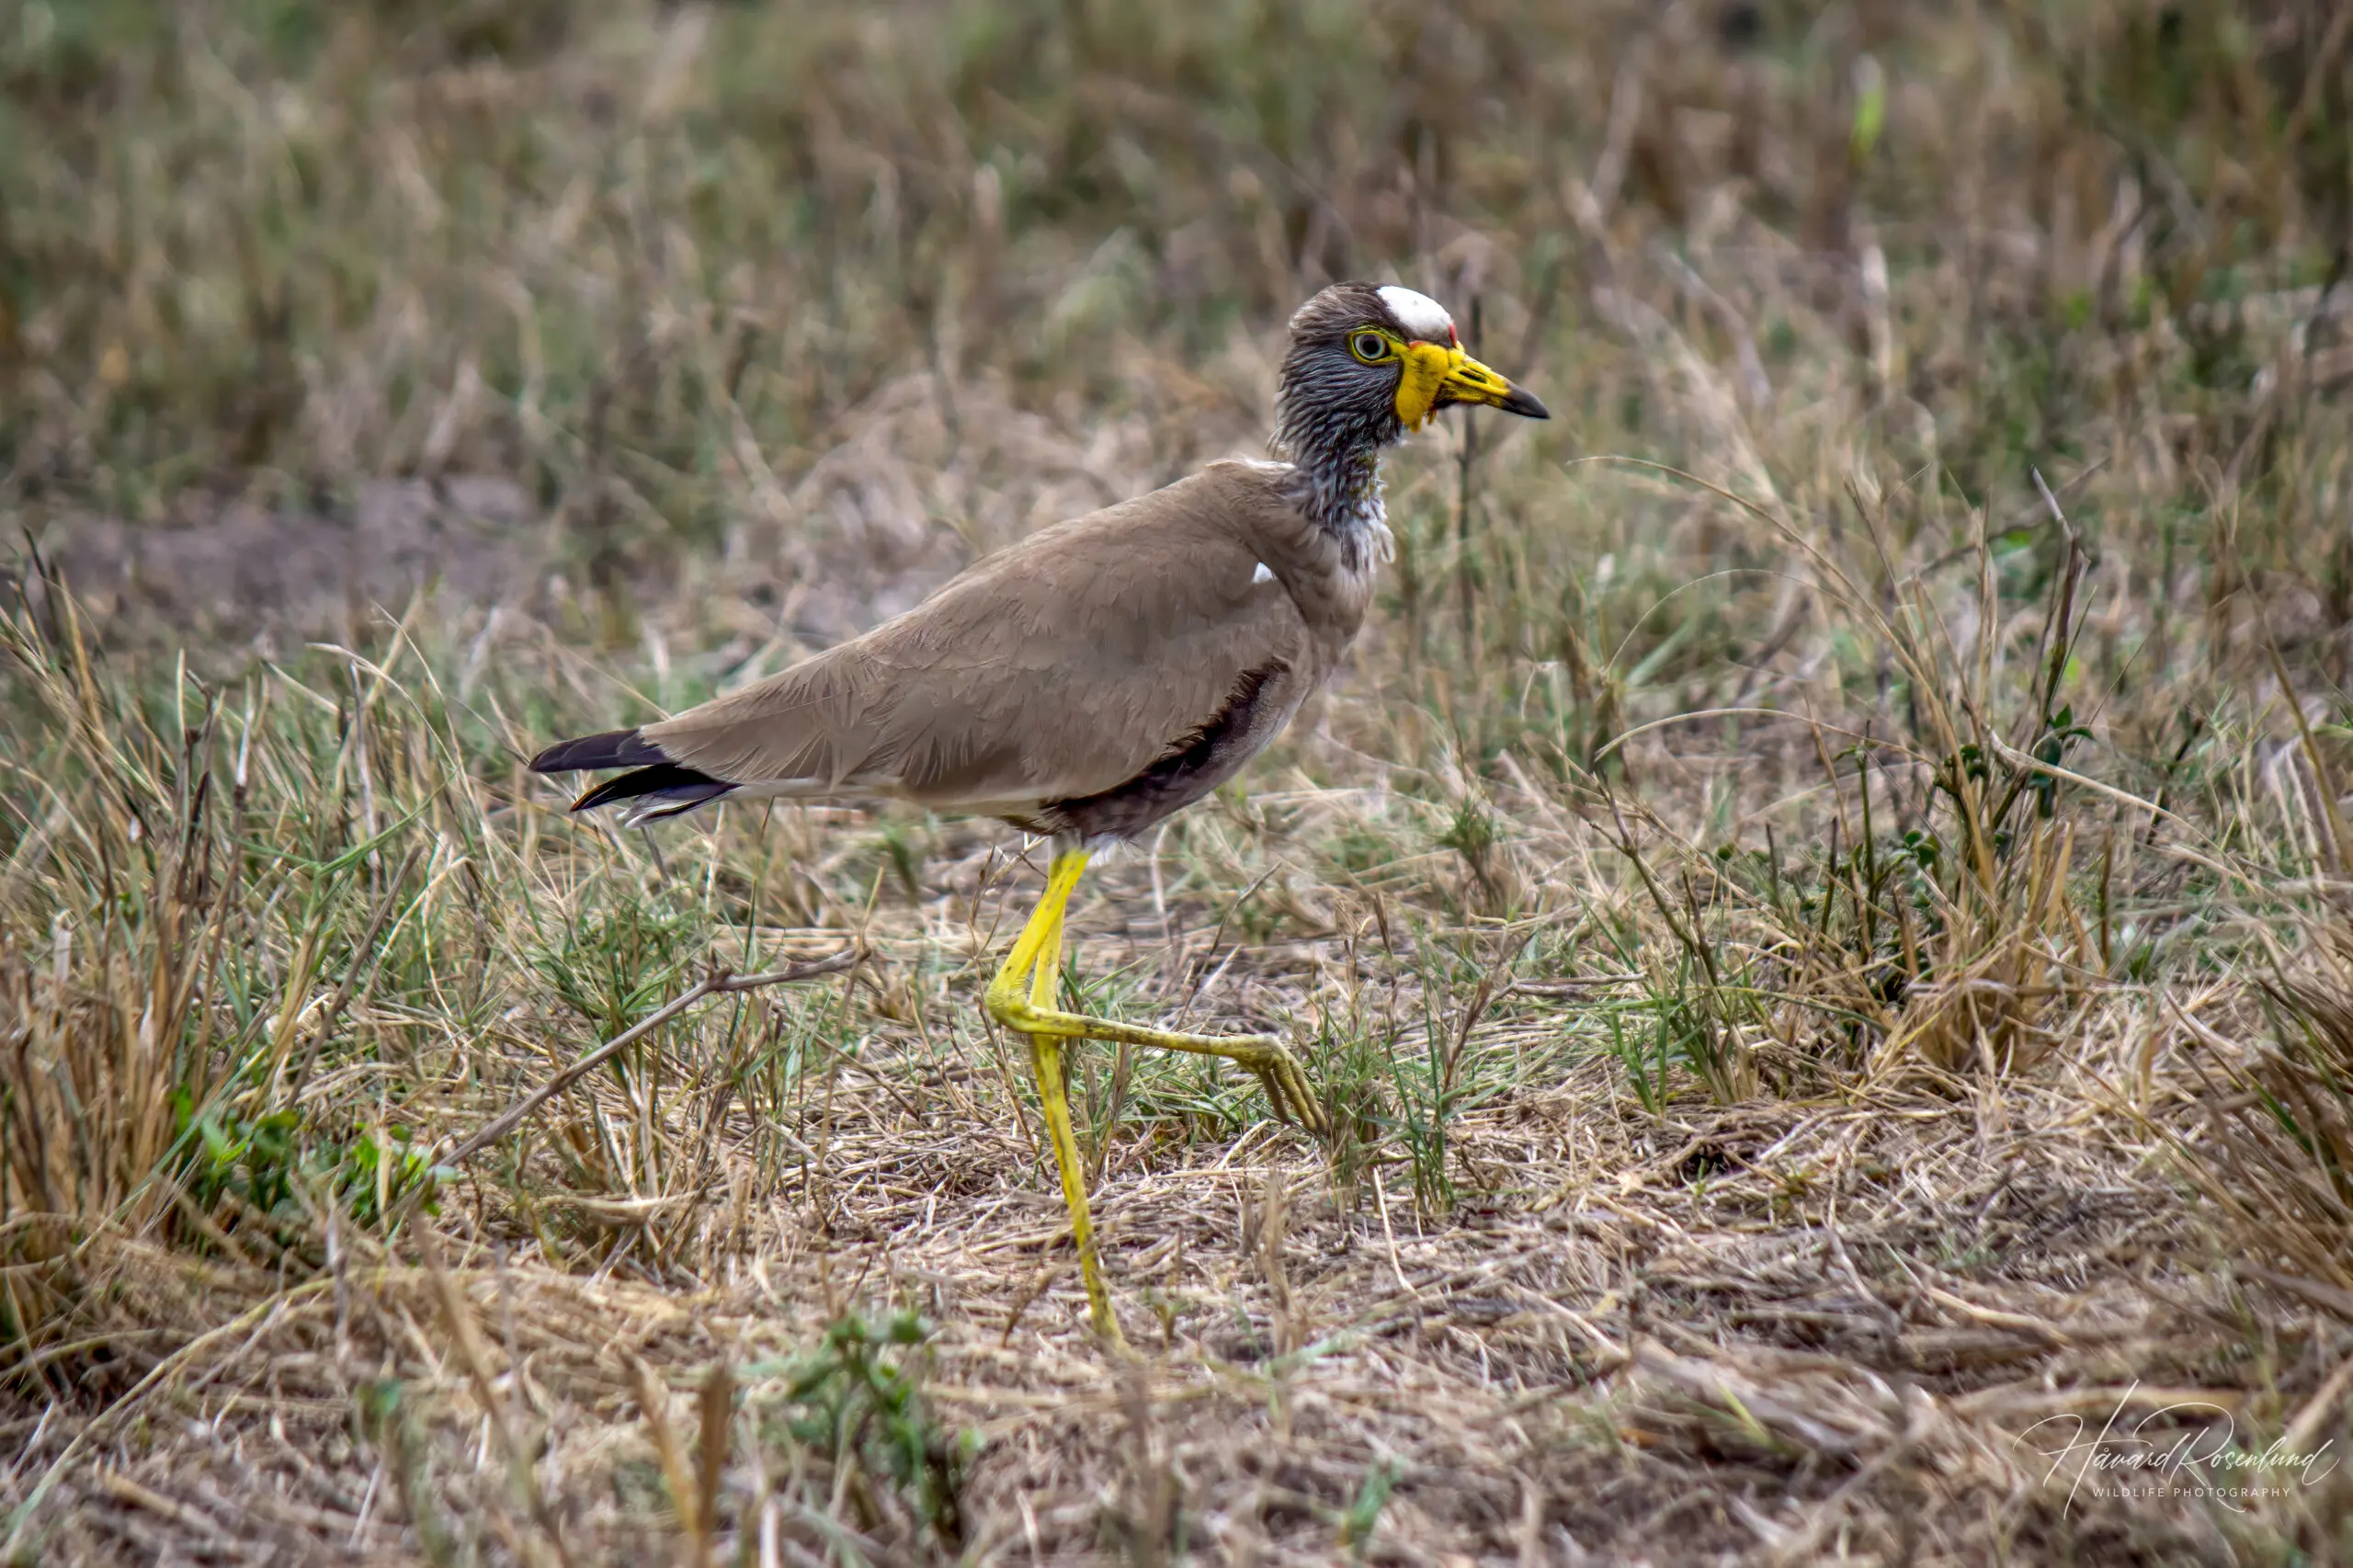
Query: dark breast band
x=1193, y=765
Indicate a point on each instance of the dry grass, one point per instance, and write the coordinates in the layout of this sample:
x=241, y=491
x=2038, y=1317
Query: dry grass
x=1825, y=933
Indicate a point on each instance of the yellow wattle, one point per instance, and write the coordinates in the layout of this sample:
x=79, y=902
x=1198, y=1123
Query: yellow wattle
x=1427, y=366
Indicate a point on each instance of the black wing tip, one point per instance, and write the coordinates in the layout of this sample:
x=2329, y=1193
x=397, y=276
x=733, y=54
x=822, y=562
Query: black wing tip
x=682, y=788
x=613, y=748
x=654, y=788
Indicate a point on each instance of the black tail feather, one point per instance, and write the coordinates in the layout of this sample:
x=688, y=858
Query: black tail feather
x=664, y=789
x=614, y=748
x=656, y=787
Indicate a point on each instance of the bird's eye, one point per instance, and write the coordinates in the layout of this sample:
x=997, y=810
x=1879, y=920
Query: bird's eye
x=1369, y=346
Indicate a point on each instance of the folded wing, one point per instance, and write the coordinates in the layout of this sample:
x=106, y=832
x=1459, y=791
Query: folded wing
x=1060, y=667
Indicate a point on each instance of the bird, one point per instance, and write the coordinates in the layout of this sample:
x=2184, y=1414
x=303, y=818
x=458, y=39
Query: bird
x=1100, y=675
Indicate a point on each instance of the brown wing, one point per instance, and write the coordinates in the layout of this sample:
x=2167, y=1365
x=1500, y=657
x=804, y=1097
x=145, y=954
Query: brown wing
x=1062, y=666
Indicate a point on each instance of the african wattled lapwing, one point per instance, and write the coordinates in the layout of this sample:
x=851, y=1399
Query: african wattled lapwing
x=1102, y=674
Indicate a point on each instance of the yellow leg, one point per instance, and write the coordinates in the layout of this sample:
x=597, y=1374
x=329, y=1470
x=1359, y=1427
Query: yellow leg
x=1036, y=959
x=1054, y=1100
x=1287, y=1090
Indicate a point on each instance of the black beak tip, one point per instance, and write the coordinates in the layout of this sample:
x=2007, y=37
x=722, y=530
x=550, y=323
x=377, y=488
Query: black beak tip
x=1525, y=403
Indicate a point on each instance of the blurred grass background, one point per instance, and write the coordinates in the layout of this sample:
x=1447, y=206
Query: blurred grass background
x=644, y=262
x=275, y=247
x=399, y=385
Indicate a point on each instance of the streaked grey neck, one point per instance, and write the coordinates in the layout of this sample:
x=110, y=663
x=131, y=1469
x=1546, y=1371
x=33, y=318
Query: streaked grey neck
x=1332, y=425
x=1339, y=487
x=1343, y=490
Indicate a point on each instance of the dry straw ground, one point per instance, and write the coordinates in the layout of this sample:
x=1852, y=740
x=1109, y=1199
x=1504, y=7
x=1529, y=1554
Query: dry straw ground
x=1825, y=960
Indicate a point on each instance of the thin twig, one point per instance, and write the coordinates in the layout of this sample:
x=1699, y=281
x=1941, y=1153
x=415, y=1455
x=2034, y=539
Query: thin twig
x=717, y=982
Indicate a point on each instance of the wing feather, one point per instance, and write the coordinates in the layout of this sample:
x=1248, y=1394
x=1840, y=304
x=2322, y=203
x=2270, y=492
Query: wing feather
x=1062, y=666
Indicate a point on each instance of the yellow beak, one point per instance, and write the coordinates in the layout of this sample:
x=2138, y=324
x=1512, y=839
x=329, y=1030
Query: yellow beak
x=1437, y=374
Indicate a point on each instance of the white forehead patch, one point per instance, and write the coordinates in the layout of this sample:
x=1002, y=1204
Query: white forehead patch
x=1418, y=314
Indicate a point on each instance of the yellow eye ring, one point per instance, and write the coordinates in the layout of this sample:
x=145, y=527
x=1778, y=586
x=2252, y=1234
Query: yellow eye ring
x=1372, y=347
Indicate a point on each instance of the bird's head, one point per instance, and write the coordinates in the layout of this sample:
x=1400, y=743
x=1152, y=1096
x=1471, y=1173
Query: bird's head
x=1369, y=362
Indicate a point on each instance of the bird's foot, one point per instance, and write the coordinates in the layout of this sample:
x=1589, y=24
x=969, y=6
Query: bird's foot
x=1263, y=1055
x=1280, y=1073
